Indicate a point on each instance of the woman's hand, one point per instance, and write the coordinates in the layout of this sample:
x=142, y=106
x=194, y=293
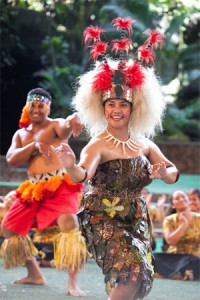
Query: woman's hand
x=159, y=171
x=65, y=155
x=182, y=218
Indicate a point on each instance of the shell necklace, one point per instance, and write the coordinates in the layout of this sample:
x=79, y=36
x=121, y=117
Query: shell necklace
x=129, y=143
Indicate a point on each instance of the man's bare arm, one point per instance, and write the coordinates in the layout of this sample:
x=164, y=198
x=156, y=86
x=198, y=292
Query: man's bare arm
x=18, y=155
x=69, y=126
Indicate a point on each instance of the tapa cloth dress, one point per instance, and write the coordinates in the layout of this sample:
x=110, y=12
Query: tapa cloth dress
x=115, y=222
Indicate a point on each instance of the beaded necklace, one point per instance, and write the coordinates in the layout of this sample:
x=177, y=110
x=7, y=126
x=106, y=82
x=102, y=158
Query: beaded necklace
x=129, y=143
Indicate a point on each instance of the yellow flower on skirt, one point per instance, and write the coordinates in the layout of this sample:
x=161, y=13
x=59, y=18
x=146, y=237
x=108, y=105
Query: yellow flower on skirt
x=111, y=206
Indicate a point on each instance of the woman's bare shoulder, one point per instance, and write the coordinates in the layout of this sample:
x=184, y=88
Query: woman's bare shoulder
x=97, y=140
x=144, y=145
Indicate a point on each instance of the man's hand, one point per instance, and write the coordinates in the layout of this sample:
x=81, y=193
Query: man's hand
x=43, y=149
x=75, y=124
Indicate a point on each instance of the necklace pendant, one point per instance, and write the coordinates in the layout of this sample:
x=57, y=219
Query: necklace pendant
x=130, y=144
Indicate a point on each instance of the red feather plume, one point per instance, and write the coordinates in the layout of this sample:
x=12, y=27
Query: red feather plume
x=146, y=54
x=123, y=44
x=102, y=81
x=124, y=23
x=97, y=49
x=134, y=75
x=92, y=33
x=155, y=38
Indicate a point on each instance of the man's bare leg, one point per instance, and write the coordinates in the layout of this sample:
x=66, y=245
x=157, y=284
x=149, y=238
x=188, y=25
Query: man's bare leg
x=73, y=289
x=66, y=223
x=34, y=275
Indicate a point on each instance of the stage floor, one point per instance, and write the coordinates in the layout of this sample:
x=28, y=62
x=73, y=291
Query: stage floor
x=90, y=280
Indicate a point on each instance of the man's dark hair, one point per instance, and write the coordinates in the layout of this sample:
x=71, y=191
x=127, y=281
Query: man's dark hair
x=39, y=91
x=194, y=191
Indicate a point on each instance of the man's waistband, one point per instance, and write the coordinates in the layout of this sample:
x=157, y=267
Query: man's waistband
x=46, y=176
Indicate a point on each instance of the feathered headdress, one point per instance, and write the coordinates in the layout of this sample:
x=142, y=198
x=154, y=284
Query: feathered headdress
x=132, y=80
x=120, y=82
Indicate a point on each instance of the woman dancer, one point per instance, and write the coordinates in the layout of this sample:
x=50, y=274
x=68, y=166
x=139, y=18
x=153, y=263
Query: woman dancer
x=119, y=104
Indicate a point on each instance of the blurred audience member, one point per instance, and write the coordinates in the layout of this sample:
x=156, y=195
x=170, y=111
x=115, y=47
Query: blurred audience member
x=5, y=203
x=156, y=210
x=181, y=231
x=44, y=242
x=194, y=196
x=8, y=199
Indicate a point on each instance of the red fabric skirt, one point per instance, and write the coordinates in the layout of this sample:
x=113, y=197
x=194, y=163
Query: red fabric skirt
x=22, y=216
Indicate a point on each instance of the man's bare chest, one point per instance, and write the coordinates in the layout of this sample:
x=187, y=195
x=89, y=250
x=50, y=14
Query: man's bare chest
x=43, y=135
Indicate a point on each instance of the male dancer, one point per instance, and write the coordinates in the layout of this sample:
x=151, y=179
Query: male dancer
x=49, y=197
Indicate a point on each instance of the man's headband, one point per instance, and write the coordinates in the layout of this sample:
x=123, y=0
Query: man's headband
x=37, y=97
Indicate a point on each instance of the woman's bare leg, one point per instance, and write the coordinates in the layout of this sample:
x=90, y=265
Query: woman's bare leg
x=125, y=292
x=66, y=223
